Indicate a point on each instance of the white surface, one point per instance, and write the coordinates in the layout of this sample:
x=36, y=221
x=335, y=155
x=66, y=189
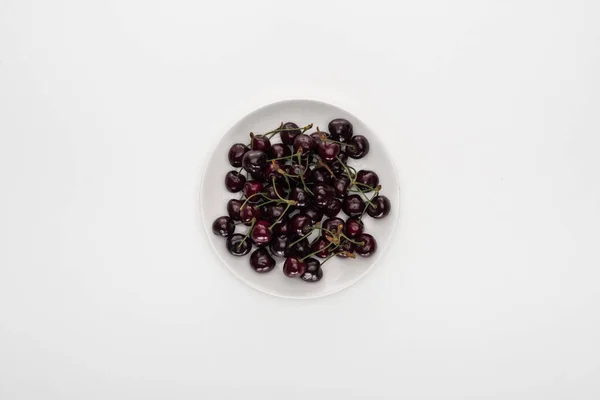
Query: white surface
x=109, y=290
x=338, y=273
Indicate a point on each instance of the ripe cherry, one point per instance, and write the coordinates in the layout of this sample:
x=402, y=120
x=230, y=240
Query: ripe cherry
x=261, y=260
x=254, y=161
x=238, y=245
x=313, y=272
x=380, y=207
x=368, y=245
x=353, y=205
x=233, y=209
x=293, y=267
x=223, y=226
x=340, y=129
x=358, y=147
x=367, y=180
x=287, y=135
x=236, y=152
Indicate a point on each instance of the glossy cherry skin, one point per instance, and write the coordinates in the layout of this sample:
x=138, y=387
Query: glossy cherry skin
x=320, y=175
x=300, y=224
x=320, y=247
x=367, y=178
x=293, y=267
x=328, y=151
x=288, y=136
x=237, y=245
x=313, y=272
x=333, y=208
x=340, y=129
x=282, y=228
x=248, y=212
x=313, y=213
x=223, y=226
x=299, y=196
x=272, y=191
x=353, y=205
x=272, y=171
x=324, y=194
x=273, y=212
x=279, y=150
x=279, y=246
x=346, y=246
x=380, y=207
x=317, y=136
x=234, y=181
x=332, y=224
x=261, y=142
x=254, y=161
x=300, y=249
x=358, y=147
x=341, y=185
x=261, y=260
x=297, y=170
x=251, y=188
x=305, y=142
x=353, y=227
x=261, y=236
x=236, y=152
x=233, y=209
x=337, y=166
x=368, y=246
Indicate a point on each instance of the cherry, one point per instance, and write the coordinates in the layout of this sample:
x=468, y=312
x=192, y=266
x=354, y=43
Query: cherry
x=223, y=226
x=254, y=161
x=299, y=196
x=338, y=167
x=354, y=226
x=279, y=150
x=271, y=171
x=237, y=245
x=320, y=175
x=287, y=136
x=261, y=260
x=282, y=228
x=380, y=207
x=300, y=249
x=317, y=136
x=248, y=213
x=332, y=224
x=279, y=246
x=341, y=185
x=366, y=178
x=344, y=248
x=333, y=208
x=261, y=236
x=236, y=152
x=300, y=224
x=319, y=247
x=296, y=169
x=353, y=205
x=340, y=129
x=233, y=209
x=261, y=142
x=368, y=246
x=293, y=267
x=313, y=213
x=234, y=181
x=328, y=151
x=252, y=188
x=271, y=190
x=273, y=212
x=358, y=147
x=324, y=194
x=305, y=142
x=313, y=272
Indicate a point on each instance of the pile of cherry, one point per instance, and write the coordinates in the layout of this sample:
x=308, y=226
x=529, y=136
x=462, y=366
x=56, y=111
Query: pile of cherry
x=289, y=187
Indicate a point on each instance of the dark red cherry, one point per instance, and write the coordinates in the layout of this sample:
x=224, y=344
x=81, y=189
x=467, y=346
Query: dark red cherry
x=337, y=167
x=354, y=226
x=332, y=224
x=341, y=185
x=300, y=249
x=254, y=161
x=353, y=205
x=313, y=272
x=261, y=142
x=282, y=228
x=320, y=175
x=344, y=248
x=261, y=236
x=223, y=226
x=332, y=208
x=328, y=151
x=340, y=129
x=236, y=152
x=380, y=207
x=249, y=212
x=274, y=211
x=234, y=181
x=279, y=150
x=316, y=136
x=261, y=260
x=279, y=246
x=299, y=196
x=272, y=191
x=313, y=213
x=324, y=194
x=293, y=267
x=233, y=209
x=238, y=245
x=296, y=170
x=368, y=245
x=320, y=247
x=251, y=188
x=272, y=171
x=300, y=224
x=289, y=133
x=305, y=142
x=358, y=147
x=367, y=180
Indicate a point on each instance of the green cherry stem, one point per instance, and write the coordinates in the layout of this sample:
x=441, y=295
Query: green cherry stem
x=306, y=235
x=251, y=196
x=247, y=234
x=377, y=189
x=312, y=254
x=328, y=258
x=280, y=217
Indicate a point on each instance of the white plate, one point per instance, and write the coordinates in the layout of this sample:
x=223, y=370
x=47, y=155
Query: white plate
x=337, y=273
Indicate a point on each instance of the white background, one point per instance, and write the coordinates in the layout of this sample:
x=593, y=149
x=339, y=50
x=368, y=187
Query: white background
x=109, y=109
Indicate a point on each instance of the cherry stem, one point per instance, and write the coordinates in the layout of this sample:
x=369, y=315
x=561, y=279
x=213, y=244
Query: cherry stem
x=312, y=254
x=280, y=217
x=328, y=258
x=299, y=153
x=371, y=201
x=251, y=196
x=247, y=234
x=280, y=129
x=353, y=241
x=306, y=235
x=289, y=202
x=322, y=164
